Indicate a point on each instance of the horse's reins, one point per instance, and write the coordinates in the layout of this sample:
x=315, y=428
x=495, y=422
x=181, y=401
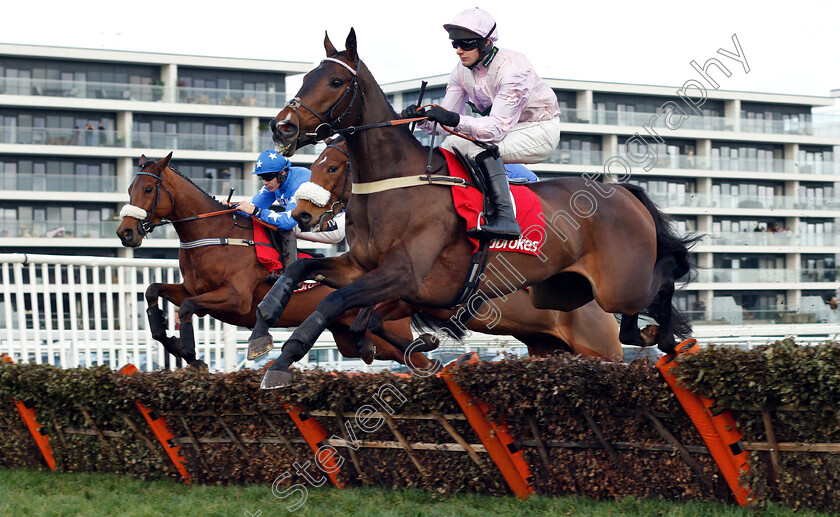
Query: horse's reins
x=326, y=130
x=146, y=226
x=339, y=199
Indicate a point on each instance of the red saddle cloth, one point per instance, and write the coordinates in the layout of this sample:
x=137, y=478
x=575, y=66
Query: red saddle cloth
x=469, y=203
x=270, y=257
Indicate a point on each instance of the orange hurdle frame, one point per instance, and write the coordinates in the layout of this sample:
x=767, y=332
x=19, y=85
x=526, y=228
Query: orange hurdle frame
x=28, y=416
x=314, y=434
x=161, y=431
x=495, y=437
x=717, y=431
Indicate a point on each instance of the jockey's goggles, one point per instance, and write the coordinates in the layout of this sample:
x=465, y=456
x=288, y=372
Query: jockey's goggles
x=466, y=44
x=268, y=176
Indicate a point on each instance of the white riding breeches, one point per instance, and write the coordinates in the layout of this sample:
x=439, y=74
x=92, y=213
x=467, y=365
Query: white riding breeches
x=526, y=142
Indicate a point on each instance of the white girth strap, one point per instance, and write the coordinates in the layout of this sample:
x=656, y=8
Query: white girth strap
x=133, y=211
x=314, y=193
x=373, y=187
x=340, y=62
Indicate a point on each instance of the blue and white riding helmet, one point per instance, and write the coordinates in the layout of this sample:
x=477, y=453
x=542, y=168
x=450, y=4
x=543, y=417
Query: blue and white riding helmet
x=270, y=161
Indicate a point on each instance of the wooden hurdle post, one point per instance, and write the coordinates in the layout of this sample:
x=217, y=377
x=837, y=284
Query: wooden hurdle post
x=496, y=437
x=27, y=414
x=161, y=431
x=719, y=433
x=315, y=435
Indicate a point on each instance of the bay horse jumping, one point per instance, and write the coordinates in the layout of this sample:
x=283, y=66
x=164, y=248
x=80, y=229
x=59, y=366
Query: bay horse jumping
x=224, y=281
x=588, y=330
x=606, y=242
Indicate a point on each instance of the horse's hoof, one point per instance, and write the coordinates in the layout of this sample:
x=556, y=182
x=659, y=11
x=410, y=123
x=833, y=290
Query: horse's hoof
x=434, y=367
x=430, y=342
x=259, y=346
x=274, y=379
x=649, y=335
x=198, y=364
x=668, y=348
x=367, y=351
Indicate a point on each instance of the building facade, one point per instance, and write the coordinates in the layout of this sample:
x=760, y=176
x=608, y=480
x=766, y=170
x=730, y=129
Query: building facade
x=755, y=173
x=74, y=122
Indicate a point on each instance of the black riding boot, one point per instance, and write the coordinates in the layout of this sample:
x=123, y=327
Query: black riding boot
x=288, y=248
x=502, y=224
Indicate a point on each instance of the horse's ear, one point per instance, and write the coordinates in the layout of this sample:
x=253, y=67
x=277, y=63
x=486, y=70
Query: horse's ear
x=164, y=163
x=350, y=45
x=142, y=159
x=328, y=46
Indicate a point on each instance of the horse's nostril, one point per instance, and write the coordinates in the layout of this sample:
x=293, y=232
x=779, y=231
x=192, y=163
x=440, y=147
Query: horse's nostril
x=305, y=217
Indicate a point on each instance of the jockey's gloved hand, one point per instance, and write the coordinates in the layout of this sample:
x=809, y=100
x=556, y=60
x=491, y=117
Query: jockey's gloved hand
x=411, y=112
x=442, y=116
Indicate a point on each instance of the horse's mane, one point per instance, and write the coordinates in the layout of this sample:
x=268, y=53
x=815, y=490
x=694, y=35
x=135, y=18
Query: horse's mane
x=393, y=113
x=176, y=171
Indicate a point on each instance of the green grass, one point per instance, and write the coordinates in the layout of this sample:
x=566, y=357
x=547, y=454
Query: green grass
x=39, y=493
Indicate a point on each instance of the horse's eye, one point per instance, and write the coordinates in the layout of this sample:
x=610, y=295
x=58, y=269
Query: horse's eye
x=148, y=190
x=332, y=169
x=336, y=83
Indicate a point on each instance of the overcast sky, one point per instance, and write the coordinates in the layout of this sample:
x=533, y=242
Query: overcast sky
x=791, y=47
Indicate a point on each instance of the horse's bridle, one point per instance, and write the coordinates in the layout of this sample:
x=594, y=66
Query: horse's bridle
x=344, y=189
x=146, y=225
x=327, y=127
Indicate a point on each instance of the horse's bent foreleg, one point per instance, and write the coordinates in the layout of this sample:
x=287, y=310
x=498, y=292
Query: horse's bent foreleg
x=174, y=293
x=384, y=351
x=334, y=272
x=358, y=335
x=387, y=281
x=339, y=271
x=629, y=332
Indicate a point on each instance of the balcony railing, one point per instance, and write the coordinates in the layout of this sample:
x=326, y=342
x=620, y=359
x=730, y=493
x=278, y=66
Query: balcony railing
x=228, y=97
x=692, y=162
x=58, y=182
x=766, y=276
x=194, y=142
x=820, y=124
x=674, y=200
x=58, y=136
x=242, y=187
x=58, y=229
x=111, y=138
x=80, y=89
x=139, y=92
x=751, y=238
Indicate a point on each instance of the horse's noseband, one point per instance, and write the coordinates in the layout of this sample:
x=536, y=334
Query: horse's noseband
x=146, y=225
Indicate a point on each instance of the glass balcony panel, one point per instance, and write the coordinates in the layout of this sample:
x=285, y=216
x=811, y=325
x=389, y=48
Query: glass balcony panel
x=821, y=124
x=58, y=182
x=58, y=136
x=751, y=238
x=228, y=97
x=199, y=142
x=761, y=275
x=58, y=229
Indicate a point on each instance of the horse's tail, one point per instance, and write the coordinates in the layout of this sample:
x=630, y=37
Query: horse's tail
x=669, y=242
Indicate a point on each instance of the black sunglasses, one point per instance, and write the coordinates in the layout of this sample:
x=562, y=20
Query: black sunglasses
x=466, y=44
x=268, y=176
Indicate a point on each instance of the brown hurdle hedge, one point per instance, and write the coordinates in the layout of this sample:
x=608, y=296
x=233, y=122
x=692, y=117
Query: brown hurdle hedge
x=585, y=427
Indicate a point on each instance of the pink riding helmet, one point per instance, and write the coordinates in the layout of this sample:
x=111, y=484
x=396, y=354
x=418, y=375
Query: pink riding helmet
x=475, y=20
